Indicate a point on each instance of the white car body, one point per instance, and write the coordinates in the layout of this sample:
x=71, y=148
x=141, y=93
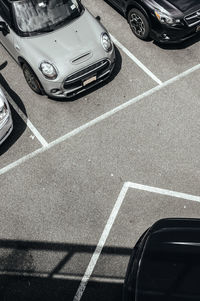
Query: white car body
x=6, y=123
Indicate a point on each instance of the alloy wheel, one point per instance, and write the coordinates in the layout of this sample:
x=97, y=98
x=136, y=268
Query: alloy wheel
x=137, y=24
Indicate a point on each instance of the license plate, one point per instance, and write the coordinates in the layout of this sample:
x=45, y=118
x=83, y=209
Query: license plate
x=198, y=28
x=89, y=80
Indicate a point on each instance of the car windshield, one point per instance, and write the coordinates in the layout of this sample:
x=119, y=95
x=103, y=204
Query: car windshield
x=44, y=15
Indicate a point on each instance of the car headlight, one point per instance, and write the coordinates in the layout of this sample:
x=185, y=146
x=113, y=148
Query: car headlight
x=164, y=18
x=106, y=42
x=48, y=70
x=3, y=112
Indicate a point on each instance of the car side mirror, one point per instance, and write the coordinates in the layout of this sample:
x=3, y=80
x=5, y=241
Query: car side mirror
x=4, y=28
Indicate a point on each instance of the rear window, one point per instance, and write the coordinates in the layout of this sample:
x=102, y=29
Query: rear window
x=170, y=267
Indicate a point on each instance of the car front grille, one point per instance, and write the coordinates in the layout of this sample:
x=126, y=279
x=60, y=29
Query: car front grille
x=95, y=69
x=193, y=18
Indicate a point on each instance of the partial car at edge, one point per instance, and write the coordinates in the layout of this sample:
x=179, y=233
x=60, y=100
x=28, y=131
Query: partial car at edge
x=6, y=123
x=166, y=21
x=165, y=263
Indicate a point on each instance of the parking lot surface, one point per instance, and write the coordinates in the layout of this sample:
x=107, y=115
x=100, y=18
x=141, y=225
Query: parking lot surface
x=64, y=167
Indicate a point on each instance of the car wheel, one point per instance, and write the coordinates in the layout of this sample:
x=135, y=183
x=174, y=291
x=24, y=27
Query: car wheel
x=139, y=24
x=32, y=79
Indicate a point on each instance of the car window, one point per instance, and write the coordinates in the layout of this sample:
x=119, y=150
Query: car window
x=36, y=15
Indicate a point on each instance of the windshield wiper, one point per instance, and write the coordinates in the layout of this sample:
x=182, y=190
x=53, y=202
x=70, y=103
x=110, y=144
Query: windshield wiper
x=42, y=30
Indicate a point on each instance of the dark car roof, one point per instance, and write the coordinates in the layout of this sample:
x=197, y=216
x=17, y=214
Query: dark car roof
x=170, y=265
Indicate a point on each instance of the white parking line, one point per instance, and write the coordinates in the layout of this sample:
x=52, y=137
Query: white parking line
x=100, y=244
x=28, y=123
x=133, y=58
x=111, y=221
x=98, y=119
x=164, y=192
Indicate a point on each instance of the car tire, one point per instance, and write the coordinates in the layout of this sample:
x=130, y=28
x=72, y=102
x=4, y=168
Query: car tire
x=139, y=24
x=32, y=79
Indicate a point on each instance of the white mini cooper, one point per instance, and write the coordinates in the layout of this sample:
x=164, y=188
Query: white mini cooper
x=62, y=48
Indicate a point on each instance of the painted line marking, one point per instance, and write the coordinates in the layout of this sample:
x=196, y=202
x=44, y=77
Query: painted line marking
x=138, y=62
x=165, y=192
x=100, y=244
x=98, y=119
x=28, y=123
x=111, y=221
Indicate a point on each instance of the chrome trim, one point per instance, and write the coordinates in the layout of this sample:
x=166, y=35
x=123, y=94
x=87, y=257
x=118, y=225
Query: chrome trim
x=84, y=55
x=85, y=74
x=191, y=16
x=46, y=61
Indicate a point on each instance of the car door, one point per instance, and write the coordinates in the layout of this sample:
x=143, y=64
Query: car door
x=9, y=39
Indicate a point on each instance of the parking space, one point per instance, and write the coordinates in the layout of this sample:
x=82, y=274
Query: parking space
x=75, y=184
x=64, y=165
x=139, y=210
x=54, y=118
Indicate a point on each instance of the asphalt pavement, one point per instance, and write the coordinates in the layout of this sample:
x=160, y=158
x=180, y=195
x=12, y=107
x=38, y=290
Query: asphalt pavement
x=133, y=141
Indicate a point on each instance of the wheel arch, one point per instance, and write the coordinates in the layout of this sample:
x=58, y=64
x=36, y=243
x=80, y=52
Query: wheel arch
x=134, y=4
x=21, y=62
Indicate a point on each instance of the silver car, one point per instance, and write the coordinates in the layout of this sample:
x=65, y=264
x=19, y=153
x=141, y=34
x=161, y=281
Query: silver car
x=62, y=48
x=6, y=123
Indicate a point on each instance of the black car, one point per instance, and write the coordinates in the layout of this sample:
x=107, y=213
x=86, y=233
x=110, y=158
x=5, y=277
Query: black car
x=165, y=263
x=161, y=20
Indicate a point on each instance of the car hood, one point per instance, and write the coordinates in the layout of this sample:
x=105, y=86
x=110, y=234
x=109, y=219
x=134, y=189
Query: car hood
x=186, y=5
x=176, y=8
x=77, y=40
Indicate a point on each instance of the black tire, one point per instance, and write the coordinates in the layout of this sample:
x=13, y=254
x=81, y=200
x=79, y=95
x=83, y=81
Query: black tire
x=139, y=24
x=32, y=79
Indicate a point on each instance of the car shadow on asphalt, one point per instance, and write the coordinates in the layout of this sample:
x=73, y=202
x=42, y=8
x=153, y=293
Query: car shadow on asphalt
x=116, y=70
x=35, y=270
x=19, y=125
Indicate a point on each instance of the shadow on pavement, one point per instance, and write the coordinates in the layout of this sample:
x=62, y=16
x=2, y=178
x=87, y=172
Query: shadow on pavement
x=24, y=278
x=19, y=125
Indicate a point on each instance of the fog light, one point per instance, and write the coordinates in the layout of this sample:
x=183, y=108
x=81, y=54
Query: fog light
x=165, y=36
x=54, y=91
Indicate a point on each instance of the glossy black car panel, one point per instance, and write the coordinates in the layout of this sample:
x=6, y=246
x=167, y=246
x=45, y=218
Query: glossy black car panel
x=169, y=21
x=165, y=263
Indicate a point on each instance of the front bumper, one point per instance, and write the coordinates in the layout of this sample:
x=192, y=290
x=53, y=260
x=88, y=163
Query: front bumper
x=169, y=34
x=6, y=128
x=82, y=79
